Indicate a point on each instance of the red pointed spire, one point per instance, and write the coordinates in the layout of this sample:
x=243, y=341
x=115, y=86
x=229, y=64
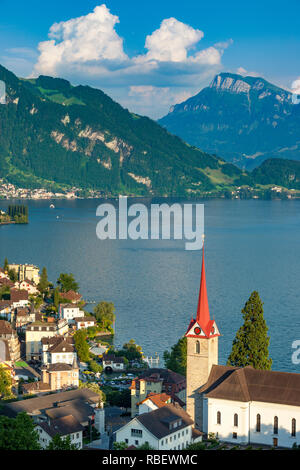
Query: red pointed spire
x=203, y=316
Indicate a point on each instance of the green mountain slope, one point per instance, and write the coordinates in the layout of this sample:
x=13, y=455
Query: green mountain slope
x=244, y=120
x=278, y=171
x=52, y=132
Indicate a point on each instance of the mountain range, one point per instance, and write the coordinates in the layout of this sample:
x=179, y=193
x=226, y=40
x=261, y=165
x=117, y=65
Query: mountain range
x=56, y=136
x=244, y=120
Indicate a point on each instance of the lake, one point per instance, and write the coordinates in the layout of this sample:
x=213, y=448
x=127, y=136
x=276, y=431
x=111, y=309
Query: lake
x=250, y=245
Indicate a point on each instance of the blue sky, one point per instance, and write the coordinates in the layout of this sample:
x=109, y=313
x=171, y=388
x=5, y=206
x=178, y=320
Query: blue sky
x=150, y=55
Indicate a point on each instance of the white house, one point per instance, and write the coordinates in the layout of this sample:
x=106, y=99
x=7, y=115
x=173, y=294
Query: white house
x=112, y=363
x=84, y=322
x=153, y=402
x=165, y=428
x=69, y=312
x=58, y=349
x=64, y=426
x=250, y=406
x=28, y=286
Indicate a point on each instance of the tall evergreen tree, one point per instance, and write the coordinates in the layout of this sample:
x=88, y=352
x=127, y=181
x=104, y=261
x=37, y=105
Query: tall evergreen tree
x=5, y=266
x=176, y=359
x=44, y=283
x=250, y=347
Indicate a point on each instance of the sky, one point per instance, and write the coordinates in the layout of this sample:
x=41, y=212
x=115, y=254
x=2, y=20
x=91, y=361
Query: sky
x=149, y=56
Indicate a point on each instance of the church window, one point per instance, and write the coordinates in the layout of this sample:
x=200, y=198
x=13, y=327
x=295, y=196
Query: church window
x=258, y=423
x=197, y=347
x=219, y=417
x=275, y=430
x=293, y=433
x=235, y=420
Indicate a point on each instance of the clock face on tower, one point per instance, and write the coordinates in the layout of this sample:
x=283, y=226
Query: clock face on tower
x=197, y=330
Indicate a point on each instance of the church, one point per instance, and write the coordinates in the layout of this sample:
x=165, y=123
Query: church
x=238, y=405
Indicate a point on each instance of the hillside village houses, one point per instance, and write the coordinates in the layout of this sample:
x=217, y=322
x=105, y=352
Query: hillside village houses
x=39, y=329
x=84, y=322
x=70, y=312
x=168, y=411
x=26, y=271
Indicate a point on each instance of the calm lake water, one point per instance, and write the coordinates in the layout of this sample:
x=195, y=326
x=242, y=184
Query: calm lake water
x=250, y=245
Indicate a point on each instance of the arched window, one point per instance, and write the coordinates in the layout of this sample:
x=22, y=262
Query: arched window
x=275, y=430
x=197, y=347
x=293, y=433
x=219, y=417
x=258, y=423
x=235, y=420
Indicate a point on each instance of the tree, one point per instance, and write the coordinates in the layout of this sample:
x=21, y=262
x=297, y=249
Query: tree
x=120, y=445
x=44, y=283
x=56, y=297
x=60, y=443
x=18, y=433
x=130, y=351
x=5, y=265
x=13, y=275
x=67, y=282
x=94, y=366
x=176, y=359
x=95, y=388
x=81, y=345
x=251, y=343
x=105, y=314
x=5, y=382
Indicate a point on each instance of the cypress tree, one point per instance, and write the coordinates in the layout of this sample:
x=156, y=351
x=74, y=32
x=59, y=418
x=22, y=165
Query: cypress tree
x=250, y=347
x=44, y=283
x=5, y=266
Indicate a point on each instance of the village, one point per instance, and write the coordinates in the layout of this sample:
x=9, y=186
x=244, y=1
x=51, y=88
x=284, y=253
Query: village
x=59, y=370
x=60, y=367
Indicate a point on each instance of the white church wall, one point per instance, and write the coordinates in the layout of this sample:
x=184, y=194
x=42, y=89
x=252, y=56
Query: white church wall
x=268, y=411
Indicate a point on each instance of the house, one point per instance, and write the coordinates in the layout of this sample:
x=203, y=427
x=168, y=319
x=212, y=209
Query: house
x=112, y=363
x=58, y=349
x=23, y=316
x=153, y=402
x=60, y=375
x=66, y=426
x=157, y=380
x=19, y=297
x=5, y=309
x=35, y=388
x=72, y=296
x=27, y=285
x=167, y=428
x=9, y=343
x=38, y=330
x=23, y=371
x=250, y=406
x=69, y=312
x=26, y=271
x=6, y=282
x=84, y=322
x=80, y=403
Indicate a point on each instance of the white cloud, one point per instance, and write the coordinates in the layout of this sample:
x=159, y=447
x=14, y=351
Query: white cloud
x=81, y=40
x=89, y=50
x=171, y=42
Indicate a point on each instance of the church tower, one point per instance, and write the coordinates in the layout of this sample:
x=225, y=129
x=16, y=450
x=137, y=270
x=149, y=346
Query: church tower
x=202, y=352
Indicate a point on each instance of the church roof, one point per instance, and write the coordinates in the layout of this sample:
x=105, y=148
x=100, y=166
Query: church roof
x=249, y=384
x=203, y=320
